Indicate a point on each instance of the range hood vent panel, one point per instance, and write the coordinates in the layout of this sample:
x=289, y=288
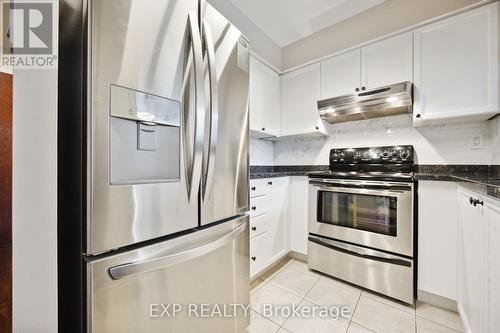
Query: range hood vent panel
x=375, y=103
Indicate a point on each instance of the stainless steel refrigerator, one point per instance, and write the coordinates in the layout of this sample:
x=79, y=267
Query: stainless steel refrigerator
x=153, y=167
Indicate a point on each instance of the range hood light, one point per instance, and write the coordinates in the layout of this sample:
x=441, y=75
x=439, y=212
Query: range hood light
x=392, y=99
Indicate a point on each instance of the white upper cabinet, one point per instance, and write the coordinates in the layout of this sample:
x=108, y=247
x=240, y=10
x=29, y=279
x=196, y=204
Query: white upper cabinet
x=456, y=68
x=264, y=100
x=341, y=75
x=300, y=92
x=387, y=62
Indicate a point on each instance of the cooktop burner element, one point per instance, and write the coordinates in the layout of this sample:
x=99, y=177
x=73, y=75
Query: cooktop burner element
x=375, y=163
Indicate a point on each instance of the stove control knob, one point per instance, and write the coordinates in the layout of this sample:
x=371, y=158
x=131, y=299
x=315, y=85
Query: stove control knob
x=404, y=154
x=386, y=154
x=342, y=155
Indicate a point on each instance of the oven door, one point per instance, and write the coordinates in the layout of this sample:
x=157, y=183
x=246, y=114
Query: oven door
x=373, y=214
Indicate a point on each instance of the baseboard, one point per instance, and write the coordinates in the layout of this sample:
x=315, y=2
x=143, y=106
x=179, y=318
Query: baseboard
x=298, y=256
x=436, y=300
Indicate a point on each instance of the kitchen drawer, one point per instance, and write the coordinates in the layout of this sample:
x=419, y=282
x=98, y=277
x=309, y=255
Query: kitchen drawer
x=260, y=187
x=259, y=205
x=259, y=254
x=259, y=225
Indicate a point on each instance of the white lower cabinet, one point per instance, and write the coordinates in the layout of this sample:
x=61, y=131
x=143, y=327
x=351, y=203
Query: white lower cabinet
x=268, y=222
x=472, y=277
x=479, y=261
x=438, y=240
x=259, y=253
x=492, y=215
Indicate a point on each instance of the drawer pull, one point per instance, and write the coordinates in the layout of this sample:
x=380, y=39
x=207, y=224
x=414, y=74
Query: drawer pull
x=254, y=208
x=253, y=188
x=254, y=228
x=254, y=258
x=269, y=183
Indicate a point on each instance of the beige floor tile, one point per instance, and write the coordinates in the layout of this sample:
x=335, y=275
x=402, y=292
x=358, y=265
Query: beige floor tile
x=329, y=294
x=356, y=328
x=427, y=326
x=383, y=318
x=444, y=317
x=271, y=294
x=259, y=324
x=315, y=324
x=296, y=282
x=301, y=266
x=282, y=330
x=389, y=301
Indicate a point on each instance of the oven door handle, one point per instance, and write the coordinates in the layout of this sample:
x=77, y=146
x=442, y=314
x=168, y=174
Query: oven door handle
x=360, y=251
x=393, y=193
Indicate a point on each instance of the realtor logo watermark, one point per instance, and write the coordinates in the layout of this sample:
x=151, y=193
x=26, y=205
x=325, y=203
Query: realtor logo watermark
x=28, y=30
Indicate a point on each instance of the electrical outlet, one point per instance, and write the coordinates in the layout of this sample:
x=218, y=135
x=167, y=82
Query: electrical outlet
x=476, y=141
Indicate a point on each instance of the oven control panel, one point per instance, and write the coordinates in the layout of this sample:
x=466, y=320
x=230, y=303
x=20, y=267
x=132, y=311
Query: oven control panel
x=373, y=155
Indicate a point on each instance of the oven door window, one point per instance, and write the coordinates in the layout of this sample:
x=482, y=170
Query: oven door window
x=358, y=211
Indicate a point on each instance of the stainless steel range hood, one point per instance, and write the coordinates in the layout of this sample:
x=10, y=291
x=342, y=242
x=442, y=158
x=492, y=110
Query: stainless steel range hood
x=380, y=102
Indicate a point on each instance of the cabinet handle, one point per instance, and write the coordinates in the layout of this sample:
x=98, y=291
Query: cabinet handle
x=253, y=188
x=418, y=115
x=476, y=202
x=254, y=228
x=317, y=128
x=254, y=258
x=269, y=183
x=263, y=128
x=363, y=88
x=357, y=89
x=254, y=208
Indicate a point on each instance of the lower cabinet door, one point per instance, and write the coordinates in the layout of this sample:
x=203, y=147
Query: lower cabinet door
x=472, y=279
x=259, y=254
x=492, y=214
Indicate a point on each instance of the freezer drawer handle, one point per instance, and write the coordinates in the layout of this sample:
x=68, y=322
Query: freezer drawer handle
x=139, y=267
x=360, y=252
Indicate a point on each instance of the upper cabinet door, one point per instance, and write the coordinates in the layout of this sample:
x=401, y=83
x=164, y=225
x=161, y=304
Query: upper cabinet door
x=456, y=68
x=264, y=100
x=300, y=92
x=388, y=61
x=255, y=95
x=341, y=75
x=270, y=101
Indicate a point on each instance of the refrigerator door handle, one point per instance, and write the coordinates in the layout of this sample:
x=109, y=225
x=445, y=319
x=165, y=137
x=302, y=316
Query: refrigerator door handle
x=209, y=164
x=193, y=173
x=139, y=267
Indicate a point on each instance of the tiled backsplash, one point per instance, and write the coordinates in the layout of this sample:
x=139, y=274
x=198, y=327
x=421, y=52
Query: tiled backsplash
x=440, y=144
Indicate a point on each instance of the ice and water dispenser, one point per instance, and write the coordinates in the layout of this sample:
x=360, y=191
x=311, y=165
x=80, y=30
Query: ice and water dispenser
x=144, y=137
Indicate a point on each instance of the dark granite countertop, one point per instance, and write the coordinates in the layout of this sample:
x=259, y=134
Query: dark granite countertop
x=480, y=178
x=271, y=171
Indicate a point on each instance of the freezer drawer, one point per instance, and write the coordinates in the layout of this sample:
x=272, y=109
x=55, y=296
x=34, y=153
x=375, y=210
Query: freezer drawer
x=386, y=274
x=129, y=292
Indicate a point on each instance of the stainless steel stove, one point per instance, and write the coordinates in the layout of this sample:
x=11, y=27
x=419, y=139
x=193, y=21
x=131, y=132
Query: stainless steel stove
x=361, y=219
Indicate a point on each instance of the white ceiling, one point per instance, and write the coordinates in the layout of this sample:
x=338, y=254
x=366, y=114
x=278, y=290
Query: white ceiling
x=286, y=21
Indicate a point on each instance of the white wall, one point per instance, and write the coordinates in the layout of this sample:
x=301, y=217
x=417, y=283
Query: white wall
x=260, y=43
x=35, y=201
x=388, y=17
x=442, y=144
x=495, y=140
